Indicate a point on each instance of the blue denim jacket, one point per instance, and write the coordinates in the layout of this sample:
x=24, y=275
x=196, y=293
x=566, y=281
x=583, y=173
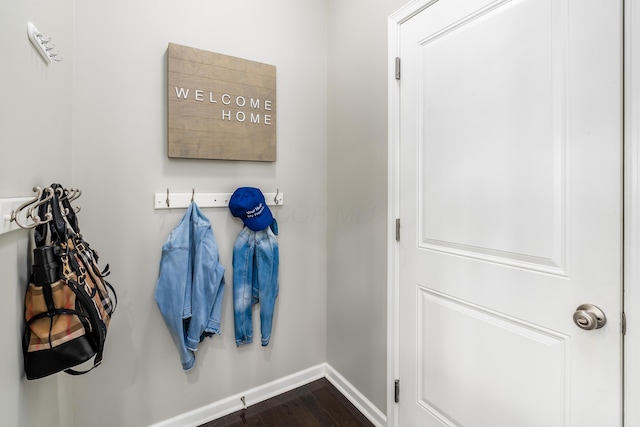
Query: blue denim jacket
x=256, y=261
x=190, y=286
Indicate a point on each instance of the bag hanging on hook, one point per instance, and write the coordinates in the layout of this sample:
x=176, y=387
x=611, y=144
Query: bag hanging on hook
x=68, y=303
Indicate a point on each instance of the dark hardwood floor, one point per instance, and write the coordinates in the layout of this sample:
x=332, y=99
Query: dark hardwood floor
x=318, y=404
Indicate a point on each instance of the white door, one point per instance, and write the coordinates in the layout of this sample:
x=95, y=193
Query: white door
x=509, y=174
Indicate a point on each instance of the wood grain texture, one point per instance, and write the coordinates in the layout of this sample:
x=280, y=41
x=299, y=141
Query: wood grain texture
x=219, y=106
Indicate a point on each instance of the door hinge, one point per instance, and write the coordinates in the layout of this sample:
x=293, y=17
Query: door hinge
x=623, y=324
x=397, y=68
x=397, y=229
x=397, y=392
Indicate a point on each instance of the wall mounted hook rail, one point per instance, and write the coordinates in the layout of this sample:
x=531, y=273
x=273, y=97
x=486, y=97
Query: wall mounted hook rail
x=8, y=207
x=23, y=212
x=43, y=45
x=205, y=200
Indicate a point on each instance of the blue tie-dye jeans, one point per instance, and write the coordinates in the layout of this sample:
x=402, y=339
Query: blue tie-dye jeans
x=255, y=280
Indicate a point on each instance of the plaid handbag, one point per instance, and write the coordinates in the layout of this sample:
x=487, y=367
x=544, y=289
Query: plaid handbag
x=68, y=303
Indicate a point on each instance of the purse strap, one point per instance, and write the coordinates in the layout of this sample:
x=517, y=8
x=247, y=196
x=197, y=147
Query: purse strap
x=58, y=222
x=70, y=214
x=40, y=232
x=63, y=222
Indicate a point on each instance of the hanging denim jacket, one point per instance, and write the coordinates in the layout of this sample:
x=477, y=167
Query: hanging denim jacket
x=256, y=262
x=190, y=286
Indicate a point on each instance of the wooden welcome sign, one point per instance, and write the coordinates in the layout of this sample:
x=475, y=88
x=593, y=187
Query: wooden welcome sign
x=220, y=107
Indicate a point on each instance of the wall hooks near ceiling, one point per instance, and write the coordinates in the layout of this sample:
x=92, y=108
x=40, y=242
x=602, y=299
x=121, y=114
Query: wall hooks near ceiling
x=43, y=45
x=206, y=200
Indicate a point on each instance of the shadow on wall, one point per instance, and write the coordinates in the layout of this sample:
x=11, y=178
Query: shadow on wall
x=344, y=214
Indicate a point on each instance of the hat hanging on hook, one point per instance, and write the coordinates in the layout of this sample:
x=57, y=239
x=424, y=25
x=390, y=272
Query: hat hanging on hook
x=248, y=204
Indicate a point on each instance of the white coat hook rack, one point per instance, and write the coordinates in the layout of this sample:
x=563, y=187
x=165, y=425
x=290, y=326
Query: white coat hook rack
x=8, y=208
x=43, y=45
x=168, y=200
x=23, y=212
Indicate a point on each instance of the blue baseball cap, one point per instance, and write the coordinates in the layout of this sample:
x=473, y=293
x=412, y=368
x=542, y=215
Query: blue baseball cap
x=248, y=204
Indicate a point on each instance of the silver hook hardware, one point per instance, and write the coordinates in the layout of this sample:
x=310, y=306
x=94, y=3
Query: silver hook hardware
x=75, y=194
x=30, y=209
x=193, y=194
x=43, y=44
x=15, y=215
x=275, y=199
x=48, y=216
x=62, y=193
x=168, y=205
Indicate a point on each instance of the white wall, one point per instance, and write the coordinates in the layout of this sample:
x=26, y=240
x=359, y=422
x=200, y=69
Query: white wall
x=35, y=141
x=357, y=196
x=119, y=152
x=108, y=96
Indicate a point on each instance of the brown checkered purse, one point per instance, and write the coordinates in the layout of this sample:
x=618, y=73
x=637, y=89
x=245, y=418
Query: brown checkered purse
x=68, y=303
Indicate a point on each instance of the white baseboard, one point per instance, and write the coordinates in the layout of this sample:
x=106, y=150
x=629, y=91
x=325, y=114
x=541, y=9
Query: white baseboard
x=355, y=397
x=255, y=395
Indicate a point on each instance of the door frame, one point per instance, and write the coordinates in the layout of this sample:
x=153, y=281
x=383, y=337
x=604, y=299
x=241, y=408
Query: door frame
x=631, y=130
x=631, y=200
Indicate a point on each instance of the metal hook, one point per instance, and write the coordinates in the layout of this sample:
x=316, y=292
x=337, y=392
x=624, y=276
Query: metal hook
x=65, y=194
x=73, y=194
x=36, y=206
x=168, y=197
x=62, y=193
x=42, y=40
x=48, y=216
x=15, y=214
x=193, y=194
x=76, y=193
x=275, y=199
